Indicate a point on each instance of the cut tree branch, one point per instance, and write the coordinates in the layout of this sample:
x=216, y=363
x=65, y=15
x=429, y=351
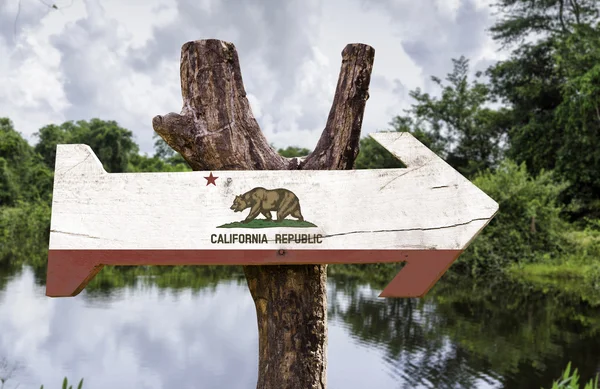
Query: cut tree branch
x=338, y=146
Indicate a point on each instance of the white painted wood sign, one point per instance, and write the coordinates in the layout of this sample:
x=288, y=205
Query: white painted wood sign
x=425, y=215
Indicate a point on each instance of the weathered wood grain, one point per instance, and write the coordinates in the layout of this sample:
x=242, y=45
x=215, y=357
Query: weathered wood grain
x=425, y=206
x=216, y=129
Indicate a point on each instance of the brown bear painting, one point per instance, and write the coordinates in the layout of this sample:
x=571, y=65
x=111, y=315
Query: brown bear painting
x=264, y=201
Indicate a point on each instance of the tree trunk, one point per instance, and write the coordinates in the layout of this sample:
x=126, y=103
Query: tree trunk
x=217, y=131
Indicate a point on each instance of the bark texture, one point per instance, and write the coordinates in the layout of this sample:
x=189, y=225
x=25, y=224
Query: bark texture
x=216, y=130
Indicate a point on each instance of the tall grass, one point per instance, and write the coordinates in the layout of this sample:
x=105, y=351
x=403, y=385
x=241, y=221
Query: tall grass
x=570, y=380
x=66, y=385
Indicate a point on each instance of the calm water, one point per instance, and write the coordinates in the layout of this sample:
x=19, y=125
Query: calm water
x=144, y=336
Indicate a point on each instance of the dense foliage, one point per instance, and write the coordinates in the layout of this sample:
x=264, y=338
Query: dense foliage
x=527, y=227
x=551, y=84
x=26, y=177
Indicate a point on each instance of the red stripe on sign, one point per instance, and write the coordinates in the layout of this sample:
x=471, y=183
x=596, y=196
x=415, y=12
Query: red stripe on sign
x=69, y=271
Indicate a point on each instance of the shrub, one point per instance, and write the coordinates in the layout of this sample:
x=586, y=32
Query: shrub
x=527, y=226
x=66, y=385
x=24, y=233
x=571, y=380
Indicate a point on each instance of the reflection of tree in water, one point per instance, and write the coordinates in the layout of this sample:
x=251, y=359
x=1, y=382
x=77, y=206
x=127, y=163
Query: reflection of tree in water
x=111, y=280
x=8, y=371
x=5, y=275
x=463, y=332
x=416, y=351
x=167, y=279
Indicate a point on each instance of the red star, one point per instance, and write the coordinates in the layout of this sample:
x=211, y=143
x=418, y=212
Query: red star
x=211, y=180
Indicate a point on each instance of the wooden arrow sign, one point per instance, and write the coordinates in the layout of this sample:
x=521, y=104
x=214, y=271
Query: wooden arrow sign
x=424, y=215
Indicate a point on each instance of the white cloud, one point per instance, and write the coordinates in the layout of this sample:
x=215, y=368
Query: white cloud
x=120, y=60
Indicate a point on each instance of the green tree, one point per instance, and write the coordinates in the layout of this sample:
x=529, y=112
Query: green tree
x=23, y=175
x=458, y=125
x=293, y=151
x=9, y=188
x=165, y=153
x=520, y=19
x=113, y=144
x=13, y=147
x=578, y=157
x=530, y=86
x=141, y=163
x=25, y=192
x=372, y=155
x=24, y=233
x=51, y=135
x=550, y=86
x=527, y=227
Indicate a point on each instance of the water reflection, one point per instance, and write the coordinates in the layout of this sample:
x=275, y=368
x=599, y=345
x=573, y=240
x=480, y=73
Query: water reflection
x=143, y=334
x=418, y=353
x=469, y=335
x=144, y=337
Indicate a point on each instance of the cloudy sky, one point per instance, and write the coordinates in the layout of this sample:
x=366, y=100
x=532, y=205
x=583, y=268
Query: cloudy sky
x=119, y=60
